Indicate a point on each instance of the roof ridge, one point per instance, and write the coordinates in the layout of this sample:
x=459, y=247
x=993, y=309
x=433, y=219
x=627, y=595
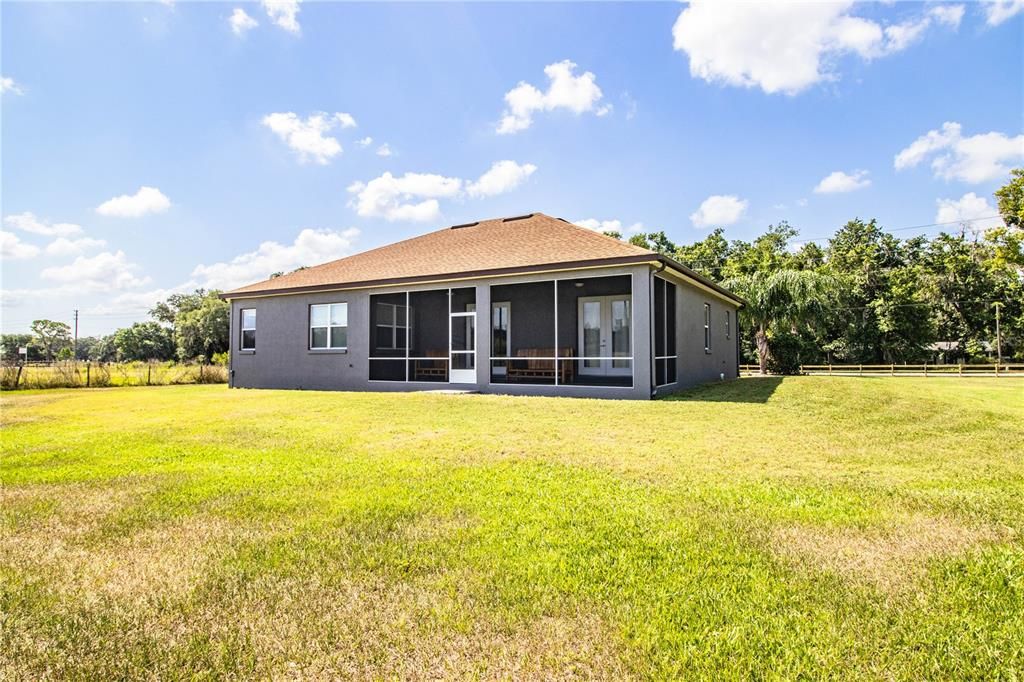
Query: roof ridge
x=602, y=235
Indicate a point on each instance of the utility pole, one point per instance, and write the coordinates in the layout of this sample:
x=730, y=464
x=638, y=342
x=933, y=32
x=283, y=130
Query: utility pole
x=999, y=340
x=74, y=355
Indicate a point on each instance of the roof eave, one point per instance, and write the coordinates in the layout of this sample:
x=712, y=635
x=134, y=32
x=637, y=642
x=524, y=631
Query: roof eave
x=442, y=277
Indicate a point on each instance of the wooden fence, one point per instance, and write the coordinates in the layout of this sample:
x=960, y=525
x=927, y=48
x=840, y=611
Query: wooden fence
x=893, y=370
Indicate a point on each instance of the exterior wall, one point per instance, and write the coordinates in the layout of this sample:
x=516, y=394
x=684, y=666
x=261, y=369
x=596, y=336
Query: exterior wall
x=282, y=358
x=694, y=365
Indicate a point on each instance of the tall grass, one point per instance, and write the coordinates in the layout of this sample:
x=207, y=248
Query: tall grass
x=103, y=374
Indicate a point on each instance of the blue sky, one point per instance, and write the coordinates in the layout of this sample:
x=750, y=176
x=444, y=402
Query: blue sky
x=151, y=147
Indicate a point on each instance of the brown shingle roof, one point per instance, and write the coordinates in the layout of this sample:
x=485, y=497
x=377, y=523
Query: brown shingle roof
x=522, y=243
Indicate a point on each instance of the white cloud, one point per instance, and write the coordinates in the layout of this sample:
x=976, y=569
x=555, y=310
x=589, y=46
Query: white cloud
x=998, y=11
x=974, y=159
x=345, y=120
x=609, y=226
x=105, y=271
x=950, y=15
x=971, y=209
x=241, y=22
x=7, y=84
x=139, y=301
x=384, y=150
x=719, y=210
x=578, y=94
x=412, y=196
x=283, y=13
x=503, y=176
x=838, y=181
x=801, y=202
x=308, y=138
x=758, y=44
x=365, y=142
x=146, y=200
x=62, y=246
x=311, y=247
x=11, y=247
x=28, y=222
x=631, y=106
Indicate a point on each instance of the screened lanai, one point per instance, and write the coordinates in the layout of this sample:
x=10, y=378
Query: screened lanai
x=563, y=332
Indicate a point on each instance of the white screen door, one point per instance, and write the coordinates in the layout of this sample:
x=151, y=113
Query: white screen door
x=605, y=334
x=463, y=347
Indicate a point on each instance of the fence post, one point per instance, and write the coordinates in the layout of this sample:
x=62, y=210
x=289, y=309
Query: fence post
x=960, y=369
x=17, y=377
x=926, y=368
x=149, y=372
x=87, y=366
x=997, y=370
x=200, y=372
x=830, y=369
x=892, y=369
x=860, y=370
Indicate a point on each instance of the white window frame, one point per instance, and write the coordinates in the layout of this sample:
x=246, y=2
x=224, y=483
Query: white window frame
x=329, y=326
x=707, y=327
x=243, y=329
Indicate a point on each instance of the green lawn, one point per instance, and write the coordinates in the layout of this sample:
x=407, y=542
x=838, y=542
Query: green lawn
x=807, y=527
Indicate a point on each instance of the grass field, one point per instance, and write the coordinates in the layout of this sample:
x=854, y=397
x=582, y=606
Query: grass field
x=806, y=527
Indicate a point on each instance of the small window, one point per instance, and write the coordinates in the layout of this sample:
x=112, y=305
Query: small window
x=248, y=329
x=728, y=324
x=328, y=326
x=707, y=327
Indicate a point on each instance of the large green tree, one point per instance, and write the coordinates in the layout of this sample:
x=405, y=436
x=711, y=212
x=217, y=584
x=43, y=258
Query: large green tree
x=144, y=341
x=51, y=336
x=203, y=331
x=783, y=301
x=1011, y=199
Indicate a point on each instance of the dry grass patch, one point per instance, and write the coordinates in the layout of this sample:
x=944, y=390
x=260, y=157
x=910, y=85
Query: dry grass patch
x=63, y=541
x=306, y=629
x=891, y=558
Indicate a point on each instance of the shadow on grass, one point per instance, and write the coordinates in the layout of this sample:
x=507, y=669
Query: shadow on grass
x=748, y=390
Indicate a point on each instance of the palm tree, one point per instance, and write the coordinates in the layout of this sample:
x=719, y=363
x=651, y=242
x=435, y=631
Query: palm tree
x=784, y=298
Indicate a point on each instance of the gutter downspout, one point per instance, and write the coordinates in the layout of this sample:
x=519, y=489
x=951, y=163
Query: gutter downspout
x=650, y=325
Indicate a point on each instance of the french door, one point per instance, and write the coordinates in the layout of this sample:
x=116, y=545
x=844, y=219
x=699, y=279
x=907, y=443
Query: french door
x=605, y=335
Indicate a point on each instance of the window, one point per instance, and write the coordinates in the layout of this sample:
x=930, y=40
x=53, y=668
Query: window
x=728, y=324
x=391, y=325
x=707, y=327
x=328, y=326
x=248, y=329
x=500, y=320
x=665, y=355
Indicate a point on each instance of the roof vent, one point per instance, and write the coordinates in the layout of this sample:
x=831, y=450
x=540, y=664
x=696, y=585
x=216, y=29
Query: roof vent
x=455, y=227
x=517, y=217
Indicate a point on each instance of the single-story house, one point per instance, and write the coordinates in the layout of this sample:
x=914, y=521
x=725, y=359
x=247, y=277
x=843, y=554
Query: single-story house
x=523, y=305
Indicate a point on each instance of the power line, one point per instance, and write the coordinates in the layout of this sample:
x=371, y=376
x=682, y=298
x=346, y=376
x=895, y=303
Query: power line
x=912, y=305
x=911, y=227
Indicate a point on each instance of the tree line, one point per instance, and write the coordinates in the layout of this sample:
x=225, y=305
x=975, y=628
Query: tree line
x=868, y=296
x=190, y=327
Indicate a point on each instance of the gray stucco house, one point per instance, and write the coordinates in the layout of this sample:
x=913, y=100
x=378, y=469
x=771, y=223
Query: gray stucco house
x=523, y=305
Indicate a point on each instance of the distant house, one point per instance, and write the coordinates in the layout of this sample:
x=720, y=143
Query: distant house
x=525, y=305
